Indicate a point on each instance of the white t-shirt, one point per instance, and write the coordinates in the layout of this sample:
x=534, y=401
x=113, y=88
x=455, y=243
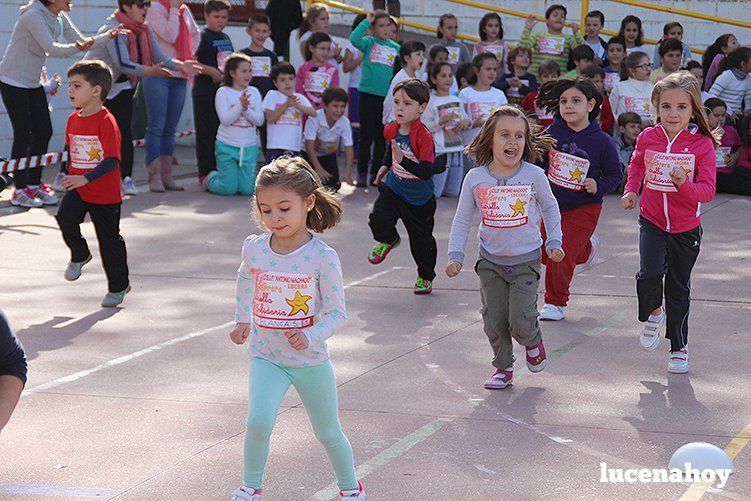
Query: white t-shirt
x=286, y=132
x=327, y=138
x=446, y=138
x=237, y=127
x=479, y=104
x=356, y=74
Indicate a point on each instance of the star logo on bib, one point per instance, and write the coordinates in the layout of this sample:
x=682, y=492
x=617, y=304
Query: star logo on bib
x=576, y=175
x=94, y=153
x=518, y=207
x=299, y=303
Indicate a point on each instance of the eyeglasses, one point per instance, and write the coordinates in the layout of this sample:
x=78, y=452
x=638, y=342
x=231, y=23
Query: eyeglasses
x=645, y=65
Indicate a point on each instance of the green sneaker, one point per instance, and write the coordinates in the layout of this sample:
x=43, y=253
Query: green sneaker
x=423, y=286
x=379, y=252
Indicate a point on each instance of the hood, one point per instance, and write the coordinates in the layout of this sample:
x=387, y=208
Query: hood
x=37, y=5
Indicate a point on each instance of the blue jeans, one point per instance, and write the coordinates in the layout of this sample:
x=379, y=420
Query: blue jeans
x=165, y=98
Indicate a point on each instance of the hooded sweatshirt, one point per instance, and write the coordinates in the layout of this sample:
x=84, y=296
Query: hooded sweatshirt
x=673, y=209
x=577, y=156
x=36, y=36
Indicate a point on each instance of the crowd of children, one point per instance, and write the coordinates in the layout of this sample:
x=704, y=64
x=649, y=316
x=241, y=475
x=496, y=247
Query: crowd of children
x=529, y=137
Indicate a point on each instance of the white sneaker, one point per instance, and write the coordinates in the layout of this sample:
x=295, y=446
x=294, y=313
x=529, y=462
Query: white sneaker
x=25, y=198
x=242, y=495
x=73, y=271
x=649, y=339
x=551, y=312
x=129, y=187
x=57, y=184
x=358, y=493
x=43, y=193
x=678, y=361
x=592, y=259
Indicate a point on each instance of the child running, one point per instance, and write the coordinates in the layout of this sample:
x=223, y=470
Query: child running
x=93, y=181
x=582, y=169
x=511, y=196
x=290, y=299
x=238, y=106
x=633, y=93
x=405, y=185
x=674, y=163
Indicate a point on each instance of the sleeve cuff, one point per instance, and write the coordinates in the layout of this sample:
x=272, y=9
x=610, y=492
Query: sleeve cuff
x=456, y=257
x=552, y=244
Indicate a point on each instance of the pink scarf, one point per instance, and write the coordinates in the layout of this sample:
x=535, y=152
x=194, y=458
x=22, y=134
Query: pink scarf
x=139, y=36
x=184, y=43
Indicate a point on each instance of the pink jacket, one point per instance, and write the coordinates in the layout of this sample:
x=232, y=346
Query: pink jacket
x=675, y=210
x=165, y=24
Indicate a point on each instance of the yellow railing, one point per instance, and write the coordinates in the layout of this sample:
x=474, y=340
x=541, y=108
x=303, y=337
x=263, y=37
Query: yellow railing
x=400, y=20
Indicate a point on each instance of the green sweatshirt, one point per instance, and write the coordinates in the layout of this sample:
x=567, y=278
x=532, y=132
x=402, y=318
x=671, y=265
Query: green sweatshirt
x=378, y=60
x=546, y=46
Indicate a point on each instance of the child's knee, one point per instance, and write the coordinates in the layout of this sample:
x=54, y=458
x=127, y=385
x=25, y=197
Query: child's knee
x=259, y=428
x=330, y=437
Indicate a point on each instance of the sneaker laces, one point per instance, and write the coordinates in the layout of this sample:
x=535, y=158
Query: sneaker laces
x=380, y=248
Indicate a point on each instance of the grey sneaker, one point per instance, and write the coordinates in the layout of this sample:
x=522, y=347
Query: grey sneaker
x=129, y=187
x=112, y=299
x=73, y=271
x=43, y=193
x=57, y=184
x=24, y=197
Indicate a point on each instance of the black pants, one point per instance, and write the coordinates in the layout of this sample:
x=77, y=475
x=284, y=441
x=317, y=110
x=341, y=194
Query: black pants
x=272, y=155
x=207, y=123
x=371, y=132
x=670, y=256
x=738, y=182
x=106, y=220
x=121, y=107
x=418, y=220
x=32, y=129
x=329, y=164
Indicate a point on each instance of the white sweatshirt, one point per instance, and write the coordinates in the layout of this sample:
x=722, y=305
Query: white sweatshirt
x=237, y=127
x=632, y=96
x=446, y=137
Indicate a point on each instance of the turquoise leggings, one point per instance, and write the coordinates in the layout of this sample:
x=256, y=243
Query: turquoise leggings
x=235, y=170
x=317, y=389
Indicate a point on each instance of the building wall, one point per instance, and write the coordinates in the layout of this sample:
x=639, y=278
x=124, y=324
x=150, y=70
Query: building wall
x=90, y=14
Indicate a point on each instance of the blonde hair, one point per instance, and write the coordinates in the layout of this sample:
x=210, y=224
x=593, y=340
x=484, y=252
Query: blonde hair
x=687, y=82
x=296, y=175
x=535, y=143
x=311, y=14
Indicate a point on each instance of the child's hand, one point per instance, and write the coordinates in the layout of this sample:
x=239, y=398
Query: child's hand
x=678, y=176
x=325, y=176
x=380, y=175
x=244, y=99
x=464, y=124
x=590, y=186
x=574, y=28
x=370, y=17
x=72, y=182
x=514, y=82
x=556, y=255
x=396, y=152
x=530, y=22
x=297, y=339
x=628, y=200
x=240, y=333
x=453, y=269
x=84, y=44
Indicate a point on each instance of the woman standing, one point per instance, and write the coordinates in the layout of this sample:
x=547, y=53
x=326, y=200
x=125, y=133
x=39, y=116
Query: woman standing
x=177, y=34
x=36, y=35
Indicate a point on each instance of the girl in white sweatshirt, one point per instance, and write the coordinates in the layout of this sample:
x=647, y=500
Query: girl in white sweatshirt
x=633, y=94
x=238, y=106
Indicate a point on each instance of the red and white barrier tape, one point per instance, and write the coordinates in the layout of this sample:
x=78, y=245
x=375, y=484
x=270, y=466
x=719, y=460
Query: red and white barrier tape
x=60, y=156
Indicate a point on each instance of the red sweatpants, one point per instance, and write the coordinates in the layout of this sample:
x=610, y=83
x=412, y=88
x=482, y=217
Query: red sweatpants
x=577, y=226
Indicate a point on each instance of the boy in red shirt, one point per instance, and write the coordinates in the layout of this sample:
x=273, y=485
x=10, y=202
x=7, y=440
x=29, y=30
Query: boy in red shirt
x=93, y=181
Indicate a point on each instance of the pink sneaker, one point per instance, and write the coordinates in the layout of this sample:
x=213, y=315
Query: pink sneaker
x=500, y=379
x=536, y=363
x=243, y=494
x=358, y=493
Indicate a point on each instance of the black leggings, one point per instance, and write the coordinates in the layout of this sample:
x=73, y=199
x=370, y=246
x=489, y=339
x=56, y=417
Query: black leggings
x=371, y=132
x=121, y=107
x=32, y=128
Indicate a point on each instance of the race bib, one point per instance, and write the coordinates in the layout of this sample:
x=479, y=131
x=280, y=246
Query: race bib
x=383, y=54
x=480, y=110
x=639, y=105
x=453, y=55
x=291, y=116
x=85, y=151
x=567, y=171
x=284, y=300
x=261, y=66
x=400, y=171
x=496, y=50
x=221, y=58
x=504, y=206
x=514, y=91
x=659, y=166
x=316, y=82
x=610, y=80
x=551, y=45
x=451, y=137
x=722, y=156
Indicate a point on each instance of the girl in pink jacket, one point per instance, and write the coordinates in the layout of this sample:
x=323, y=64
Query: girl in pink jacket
x=674, y=166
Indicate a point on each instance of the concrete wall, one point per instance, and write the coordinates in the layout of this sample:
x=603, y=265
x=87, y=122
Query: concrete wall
x=89, y=15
